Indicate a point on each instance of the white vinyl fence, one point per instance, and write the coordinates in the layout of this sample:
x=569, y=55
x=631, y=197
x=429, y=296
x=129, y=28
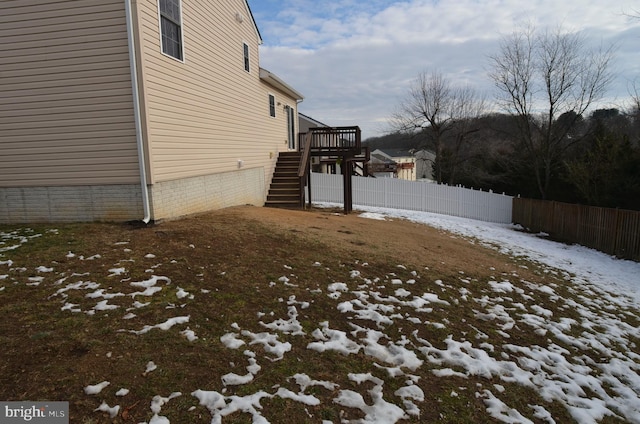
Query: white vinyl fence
x=417, y=196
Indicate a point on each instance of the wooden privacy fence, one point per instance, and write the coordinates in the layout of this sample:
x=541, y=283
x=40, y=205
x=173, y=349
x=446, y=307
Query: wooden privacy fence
x=612, y=231
x=416, y=196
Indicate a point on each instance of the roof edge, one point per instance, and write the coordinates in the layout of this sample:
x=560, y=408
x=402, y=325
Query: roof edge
x=255, y=25
x=310, y=119
x=271, y=79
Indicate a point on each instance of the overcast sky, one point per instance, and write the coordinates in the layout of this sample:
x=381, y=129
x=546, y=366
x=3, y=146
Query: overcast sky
x=354, y=60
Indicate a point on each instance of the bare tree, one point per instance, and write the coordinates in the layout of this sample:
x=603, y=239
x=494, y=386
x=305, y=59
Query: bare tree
x=435, y=109
x=542, y=77
x=633, y=111
x=634, y=91
x=470, y=107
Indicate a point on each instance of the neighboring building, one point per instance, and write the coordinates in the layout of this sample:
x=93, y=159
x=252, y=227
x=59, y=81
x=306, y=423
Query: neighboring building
x=135, y=110
x=407, y=165
x=324, y=165
x=320, y=164
x=381, y=165
x=424, y=160
x=404, y=163
x=306, y=122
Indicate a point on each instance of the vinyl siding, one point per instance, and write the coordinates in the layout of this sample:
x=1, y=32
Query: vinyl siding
x=206, y=113
x=66, y=109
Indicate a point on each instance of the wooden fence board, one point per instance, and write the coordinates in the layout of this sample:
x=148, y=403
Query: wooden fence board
x=613, y=231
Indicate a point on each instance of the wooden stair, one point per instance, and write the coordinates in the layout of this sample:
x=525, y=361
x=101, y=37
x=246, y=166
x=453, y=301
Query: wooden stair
x=285, y=189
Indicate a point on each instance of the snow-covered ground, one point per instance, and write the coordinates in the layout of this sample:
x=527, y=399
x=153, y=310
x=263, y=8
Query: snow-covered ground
x=587, y=265
x=587, y=364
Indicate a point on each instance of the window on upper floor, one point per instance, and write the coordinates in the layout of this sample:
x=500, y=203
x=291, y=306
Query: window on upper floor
x=245, y=49
x=272, y=105
x=171, y=27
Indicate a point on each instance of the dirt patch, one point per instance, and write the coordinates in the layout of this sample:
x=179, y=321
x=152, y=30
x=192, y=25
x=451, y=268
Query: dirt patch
x=391, y=239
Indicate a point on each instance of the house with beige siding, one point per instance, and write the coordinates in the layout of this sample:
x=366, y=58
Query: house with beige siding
x=118, y=110
x=394, y=163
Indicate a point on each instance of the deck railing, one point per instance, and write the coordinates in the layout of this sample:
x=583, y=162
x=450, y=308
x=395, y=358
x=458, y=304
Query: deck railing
x=329, y=141
x=338, y=143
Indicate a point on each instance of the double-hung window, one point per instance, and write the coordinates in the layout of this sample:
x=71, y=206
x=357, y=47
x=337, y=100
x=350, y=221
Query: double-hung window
x=171, y=28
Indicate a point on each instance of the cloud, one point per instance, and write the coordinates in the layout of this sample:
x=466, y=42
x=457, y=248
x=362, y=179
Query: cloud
x=354, y=60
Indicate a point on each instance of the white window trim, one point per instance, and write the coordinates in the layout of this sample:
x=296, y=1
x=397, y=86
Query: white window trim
x=244, y=43
x=181, y=33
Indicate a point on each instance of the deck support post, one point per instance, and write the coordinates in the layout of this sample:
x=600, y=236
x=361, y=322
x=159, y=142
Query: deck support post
x=347, y=170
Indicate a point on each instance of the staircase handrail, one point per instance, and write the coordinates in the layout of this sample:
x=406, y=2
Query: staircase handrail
x=303, y=166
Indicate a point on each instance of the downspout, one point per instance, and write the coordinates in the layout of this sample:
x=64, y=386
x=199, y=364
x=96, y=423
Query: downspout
x=136, y=113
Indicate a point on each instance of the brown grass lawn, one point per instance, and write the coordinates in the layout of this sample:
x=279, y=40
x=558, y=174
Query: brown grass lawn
x=55, y=342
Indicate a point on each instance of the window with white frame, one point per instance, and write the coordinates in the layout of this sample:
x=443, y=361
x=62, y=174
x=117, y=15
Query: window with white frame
x=272, y=105
x=245, y=51
x=171, y=27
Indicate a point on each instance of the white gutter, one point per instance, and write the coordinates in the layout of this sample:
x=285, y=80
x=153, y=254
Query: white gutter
x=136, y=113
x=271, y=79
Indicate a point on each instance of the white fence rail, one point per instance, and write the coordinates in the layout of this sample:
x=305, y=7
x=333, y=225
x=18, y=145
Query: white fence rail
x=418, y=196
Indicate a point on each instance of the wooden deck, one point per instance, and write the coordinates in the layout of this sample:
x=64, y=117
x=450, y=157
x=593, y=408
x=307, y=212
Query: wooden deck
x=340, y=144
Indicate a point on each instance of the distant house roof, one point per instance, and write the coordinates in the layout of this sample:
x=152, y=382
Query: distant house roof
x=381, y=157
x=425, y=154
x=276, y=82
x=311, y=120
x=396, y=153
